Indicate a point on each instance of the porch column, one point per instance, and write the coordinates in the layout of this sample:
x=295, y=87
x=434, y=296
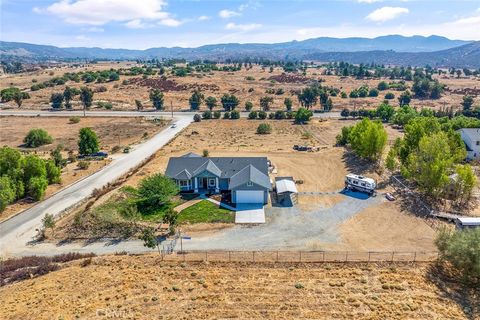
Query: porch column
x=195, y=182
x=217, y=189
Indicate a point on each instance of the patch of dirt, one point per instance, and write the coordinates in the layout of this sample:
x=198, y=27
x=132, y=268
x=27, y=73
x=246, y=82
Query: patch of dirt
x=143, y=287
x=387, y=227
x=312, y=202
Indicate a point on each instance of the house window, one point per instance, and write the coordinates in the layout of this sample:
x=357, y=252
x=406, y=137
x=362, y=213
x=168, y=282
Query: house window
x=249, y=184
x=183, y=183
x=211, y=182
x=478, y=143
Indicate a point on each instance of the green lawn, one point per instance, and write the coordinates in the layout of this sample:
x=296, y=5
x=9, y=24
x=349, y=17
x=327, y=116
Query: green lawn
x=206, y=212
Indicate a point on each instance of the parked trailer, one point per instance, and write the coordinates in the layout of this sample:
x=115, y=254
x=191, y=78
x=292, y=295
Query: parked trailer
x=360, y=183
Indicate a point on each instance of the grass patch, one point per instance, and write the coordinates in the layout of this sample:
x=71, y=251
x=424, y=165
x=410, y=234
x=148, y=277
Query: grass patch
x=206, y=212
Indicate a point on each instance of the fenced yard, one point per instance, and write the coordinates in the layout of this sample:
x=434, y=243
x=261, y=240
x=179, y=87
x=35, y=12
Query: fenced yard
x=301, y=256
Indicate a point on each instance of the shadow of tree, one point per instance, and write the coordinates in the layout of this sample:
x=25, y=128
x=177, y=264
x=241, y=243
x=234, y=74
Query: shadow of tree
x=358, y=165
x=467, y=296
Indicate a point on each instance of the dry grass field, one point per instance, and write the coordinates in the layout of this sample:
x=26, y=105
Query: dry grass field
x=111, y=132
x=217, y=83
x=143, y=287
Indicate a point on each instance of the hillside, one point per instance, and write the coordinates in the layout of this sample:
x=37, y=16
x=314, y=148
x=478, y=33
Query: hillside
x=143, y=287
x=387, y=48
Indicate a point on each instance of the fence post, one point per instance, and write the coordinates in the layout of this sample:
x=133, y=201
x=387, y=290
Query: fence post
x=414, y=256
x=393, y=252
x=277, y=255
x=323, y=256
x=253, y=256
x=369, y=256
x=300, y=257
x=229, y=257
x=346, y=256
x=206, y=255
x=184, y=258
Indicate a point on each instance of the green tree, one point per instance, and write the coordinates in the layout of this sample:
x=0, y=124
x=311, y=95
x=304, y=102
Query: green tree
x=461, y=249
x=156, y=97
x=248, y=106
x=139, y=105
x=197, y=117
x=368, y=139
x=404, y=98
x=344, y=137
x=382, y=86
x=253, y=115
x=48, y=222
x=262, y=115
x=307, y=97
x=265, y=103
x=234, y=115
x=211, y=102
x=68, y=95
x=303, y=115
x=385, y=112
x=56, y=155
x=56, y=99
x=196, y=100
x=264, y=128
x=467, y=102
x=149, y=239
x=345, y=113
x=404, y=115
x=7, y=192
x=465, y=182
x=207, y=114
x=33, y=167
x=389, y=96
x=288, y=104
x=37, y=187
x=19, y=96
x=156, y=191
x=86, y=96
x=88, y=141
x=36, y=138
x=53, y=172
x=429, y=164
x=229, y=102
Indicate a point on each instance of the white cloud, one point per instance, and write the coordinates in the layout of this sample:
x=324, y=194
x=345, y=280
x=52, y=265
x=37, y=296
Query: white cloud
x=386, y=13
x=203, y=18
x=225, y=14
x=242, y=27
x=472, y=20
x=136, y=24
x=100, y=12
x=81, y=37
x=93, y=29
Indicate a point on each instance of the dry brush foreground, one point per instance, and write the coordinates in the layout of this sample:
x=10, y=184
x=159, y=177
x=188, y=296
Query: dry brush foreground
x=143, y=287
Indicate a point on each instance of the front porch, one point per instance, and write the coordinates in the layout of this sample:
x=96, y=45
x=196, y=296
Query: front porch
x=200, y=185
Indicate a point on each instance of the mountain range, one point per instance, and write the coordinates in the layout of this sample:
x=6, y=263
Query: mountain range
x=392, y=49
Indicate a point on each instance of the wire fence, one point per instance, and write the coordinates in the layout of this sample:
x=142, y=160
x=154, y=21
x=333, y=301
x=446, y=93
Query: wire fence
x=301, y=256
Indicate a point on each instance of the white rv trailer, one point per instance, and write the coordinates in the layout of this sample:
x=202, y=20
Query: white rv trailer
x=360, y=183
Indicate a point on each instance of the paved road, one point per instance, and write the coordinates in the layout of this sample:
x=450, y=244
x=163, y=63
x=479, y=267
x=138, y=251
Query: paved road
x=16, y=232
x=46, y=113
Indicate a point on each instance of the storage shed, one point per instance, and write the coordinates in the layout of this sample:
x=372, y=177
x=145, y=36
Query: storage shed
x=467, y=222
x=286, y=190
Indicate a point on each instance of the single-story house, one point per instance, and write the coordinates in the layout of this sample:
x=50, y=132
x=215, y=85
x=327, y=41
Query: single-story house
x=246, y=178
x=286, y=190
x=471, y=138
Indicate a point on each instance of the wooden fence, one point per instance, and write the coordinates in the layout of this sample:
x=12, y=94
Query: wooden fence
x=301, y=256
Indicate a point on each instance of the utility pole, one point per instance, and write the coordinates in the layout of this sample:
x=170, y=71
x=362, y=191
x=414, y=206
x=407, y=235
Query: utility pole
x=171, y=107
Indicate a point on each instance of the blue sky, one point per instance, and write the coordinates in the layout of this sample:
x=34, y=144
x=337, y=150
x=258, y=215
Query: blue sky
x=141, y=24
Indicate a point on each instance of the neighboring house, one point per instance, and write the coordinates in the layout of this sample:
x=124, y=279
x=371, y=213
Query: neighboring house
x=245, y=177
x=471, y=138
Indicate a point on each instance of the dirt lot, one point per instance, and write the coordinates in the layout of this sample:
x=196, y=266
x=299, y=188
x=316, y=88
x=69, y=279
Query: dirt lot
x=111, y=132
x=218, y=82
x=142, y=287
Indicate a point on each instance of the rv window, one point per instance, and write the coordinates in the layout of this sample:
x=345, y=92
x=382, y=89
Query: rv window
x=355, y=182
x=362, y=184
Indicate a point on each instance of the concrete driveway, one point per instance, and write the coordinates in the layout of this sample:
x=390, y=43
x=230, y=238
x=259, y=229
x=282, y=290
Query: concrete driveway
x=16, y=232
x=249, y=213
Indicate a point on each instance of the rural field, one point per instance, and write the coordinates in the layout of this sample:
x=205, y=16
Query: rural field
x=246, y=84
x=143, y=287
x=113, y=133
x=379, y=226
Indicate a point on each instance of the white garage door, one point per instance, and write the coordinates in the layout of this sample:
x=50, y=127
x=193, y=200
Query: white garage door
x=244, y=196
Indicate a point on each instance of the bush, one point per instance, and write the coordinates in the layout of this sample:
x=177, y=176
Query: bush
x=461, y=248
x=262, y=115
x=207, y=114
x=248, y=106
x=156, y=191
x=382, y=85
x=373, y=93
x=83, y=165
x=389, y=96
x=226, y=115
x=342, y=139
x=37, y=187
x=197, y=118
x=271, y=115
x=88, y=142
x=53, y=172
x=217, y=114
x=36, y=138
x=7, y=192
x=234, y=115
x=252, y=115
x=74, y=119
x=303, y=115
x=280, y=115
x=264, y=128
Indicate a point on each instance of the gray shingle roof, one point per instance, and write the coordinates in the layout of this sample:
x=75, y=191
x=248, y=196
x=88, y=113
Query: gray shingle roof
x=191, y=155
x=249, y=173
x=227, y=166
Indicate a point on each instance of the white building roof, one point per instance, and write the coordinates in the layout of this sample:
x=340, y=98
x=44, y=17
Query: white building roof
x=469, y=221
x=285, y=185
x=472, y=133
